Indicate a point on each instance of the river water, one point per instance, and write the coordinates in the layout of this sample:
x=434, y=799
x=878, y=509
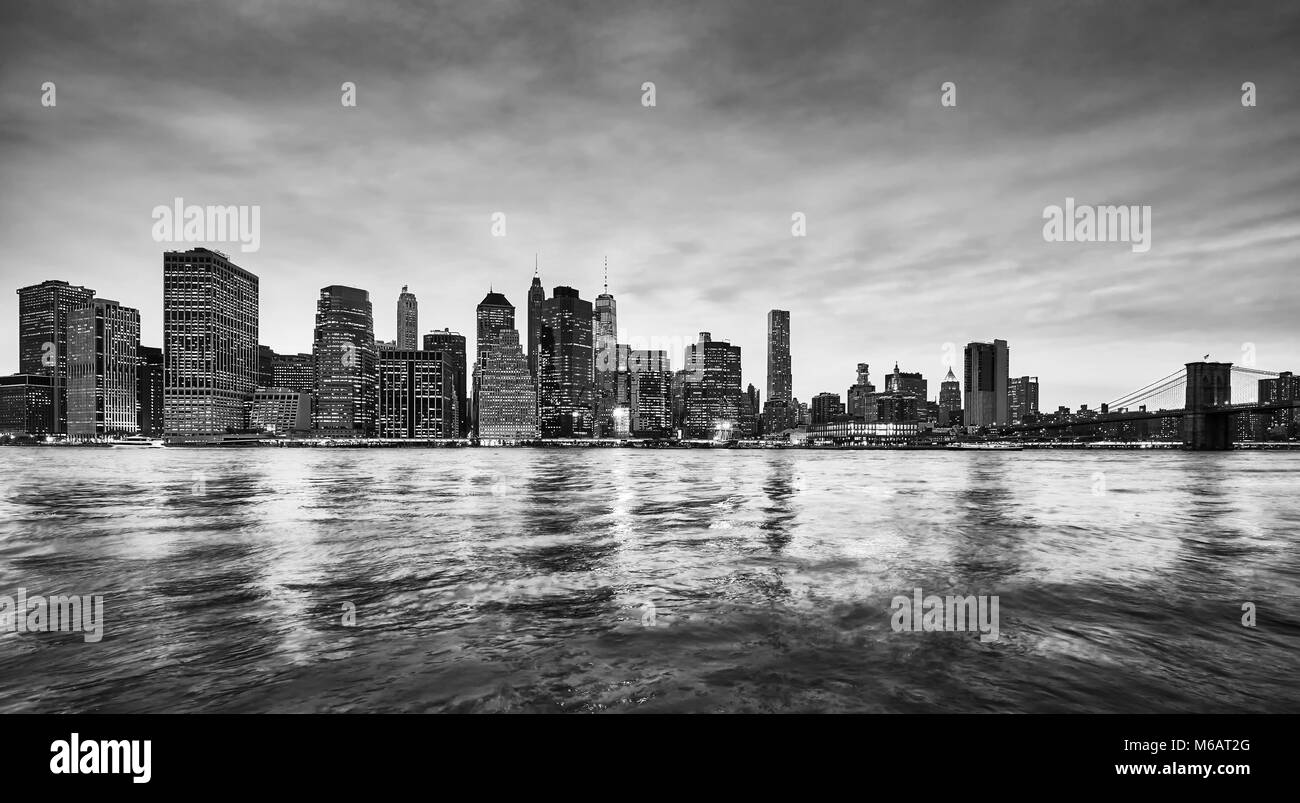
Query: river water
x=523, y=580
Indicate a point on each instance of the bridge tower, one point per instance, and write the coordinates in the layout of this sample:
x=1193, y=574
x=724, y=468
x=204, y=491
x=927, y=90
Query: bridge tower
x=1207, y=424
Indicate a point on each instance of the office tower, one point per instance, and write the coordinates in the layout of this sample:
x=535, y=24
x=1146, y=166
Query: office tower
x=416, y=395
x=650, y=404
x=606, y=367
x=536, y=295
x=986, y=384
x=295, y=372
x=343, y=348
x=408, y=326
x=1022, y=399
x=566, y=394
x=494, y=314
x=779, y=382
x=26, y=404
x=905, y=383
x=827, y=408
x=453, y=348
x=897, y=408
x=507, y=405
x=266, y=357
x=149, y=391
x=210, y=354
x=43, y=311
x=752, y=410
x=103, y=339
x=950, y=401
x=1284, y=422
x=712, y=395
x=861, y=406
x=279, y=411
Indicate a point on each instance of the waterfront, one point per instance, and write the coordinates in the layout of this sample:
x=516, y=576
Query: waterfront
x=523, y=580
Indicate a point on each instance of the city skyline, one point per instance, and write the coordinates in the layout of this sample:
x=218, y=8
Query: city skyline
x=924, y=223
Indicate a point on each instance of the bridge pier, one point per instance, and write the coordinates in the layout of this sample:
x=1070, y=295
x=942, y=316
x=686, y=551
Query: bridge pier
x=1206, y=425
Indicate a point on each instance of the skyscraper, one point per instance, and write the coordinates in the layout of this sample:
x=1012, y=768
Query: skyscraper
x=826, y=408
x=26, y=404
x=607, y=368
x=149, y=390
x=536, y=295
x=43, y=311
x=950, y=401
x=266, y=357
x=566, y=403
x=210, y=348
x=103, y=339
x=416, y=398
x=779, y=378
x=343, y=349
x=712, y=392
x=507, y=398
x=1022, y=399
x=907, y=383
x=650, y=386
x=295, y=372
x=408, y=327
x=494, y=313
x=862, y=396
x=454, y=354
x=986, y=384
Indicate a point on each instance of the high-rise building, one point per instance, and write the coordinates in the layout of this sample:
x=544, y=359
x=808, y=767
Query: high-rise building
x=149, y=391
x=536, y=295
x=494, y=314
x=408, y=322
x=861, y=397
x=566, y=393
x=26, y=404
x=753, y=408
x=650, y=403
x=712, y=395
x=1022, y=399
x=906, y=383
x=606, y=365
x=266, y=358
x=507, y=397
x=343, y=349
x=279, y=411
x=779, y=379
x=986, y=384
x=453, y=348
x=295, y=372
x=43, y=311
x=416, y=395
x=950, y=401
x=210, y=348
x=103, y=339
x=827, y=408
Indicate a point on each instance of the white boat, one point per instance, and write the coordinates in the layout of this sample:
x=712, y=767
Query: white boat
x=138, y=442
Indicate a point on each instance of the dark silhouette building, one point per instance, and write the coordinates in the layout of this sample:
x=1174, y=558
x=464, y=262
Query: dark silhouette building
x=43, y=311
x=566, y=366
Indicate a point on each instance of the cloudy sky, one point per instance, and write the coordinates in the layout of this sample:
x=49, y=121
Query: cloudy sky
x=924, y=223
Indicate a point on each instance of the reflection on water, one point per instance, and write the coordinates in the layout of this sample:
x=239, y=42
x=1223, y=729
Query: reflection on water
x=592, y=580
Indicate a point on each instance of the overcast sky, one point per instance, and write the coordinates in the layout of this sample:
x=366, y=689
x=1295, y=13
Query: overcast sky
x=924, y=223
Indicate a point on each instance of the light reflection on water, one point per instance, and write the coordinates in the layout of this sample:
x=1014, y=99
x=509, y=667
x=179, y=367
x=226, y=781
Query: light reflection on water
x=516, y=580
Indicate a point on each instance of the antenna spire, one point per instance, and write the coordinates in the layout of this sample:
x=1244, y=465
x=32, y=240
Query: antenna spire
x=606, y=275
x=535, y=265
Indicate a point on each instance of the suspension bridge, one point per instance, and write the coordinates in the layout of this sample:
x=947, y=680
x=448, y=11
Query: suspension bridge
x=1208, y=405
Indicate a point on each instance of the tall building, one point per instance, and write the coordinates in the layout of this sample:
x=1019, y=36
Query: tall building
x=453, y=348
x=507, y=397
x=494, y=313
x=827, y=408
x=149, y=391
x=416, y=395
x=343, y=349
x=295, y=372
x=950, y=401
x=906, y=383
x=606, y=366
x=103, y=365
x=26, y=404
x=712, y=397
x=536, y=295
x=1285, y=421
x=210, y=348
x=1022, y=399
x=754, y=407
x=280, y=411
x=43, y=311
x=861, y=397
x=650, y=402
x=779, y=382
x=408, y=321
x=566, y=395
x=266, y=358
x=986, y=384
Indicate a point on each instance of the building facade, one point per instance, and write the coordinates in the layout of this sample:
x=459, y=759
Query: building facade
x=567, y=396
x=43, y=311
x=452, y=346
x=408, y=321
x=650, y=380
x=344, y=353
x=27, y=405
x=712, y=393
x=1022, y=399
x=416, y=395
x=210, y=346
x=508, y=398
x=103, y=370
x=986, y=384
x=780, y=383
